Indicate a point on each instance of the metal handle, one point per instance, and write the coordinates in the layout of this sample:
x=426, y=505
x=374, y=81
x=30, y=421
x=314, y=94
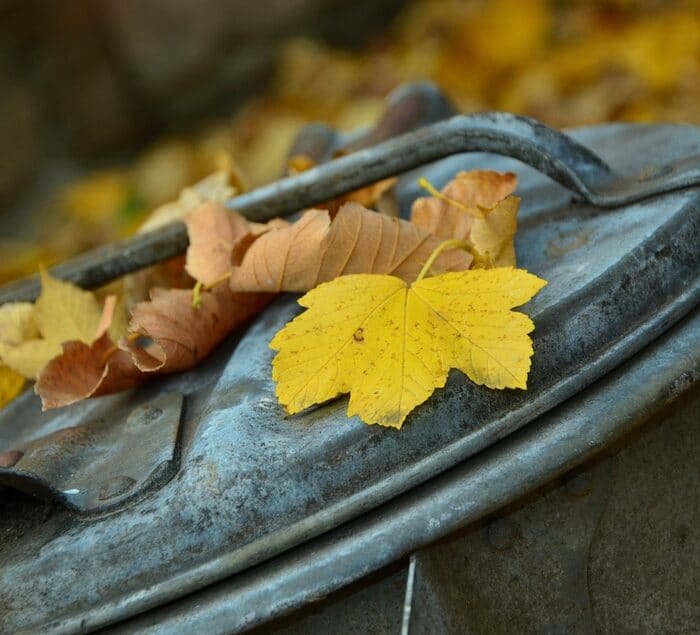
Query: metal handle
x=548, y=150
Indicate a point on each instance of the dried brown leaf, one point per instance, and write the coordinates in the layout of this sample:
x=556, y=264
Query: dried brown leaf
x=315, y=250
x=492, y=238
x=175, y=336
x=83, y=370
x=475, y=193
x=475, y=207
x=218, y=240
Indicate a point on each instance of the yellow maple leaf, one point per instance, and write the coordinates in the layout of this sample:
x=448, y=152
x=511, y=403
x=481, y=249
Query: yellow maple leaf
x=390, y=344
x=32, y=335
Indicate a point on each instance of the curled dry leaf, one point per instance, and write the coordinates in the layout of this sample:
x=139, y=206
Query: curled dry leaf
x=358, y=240
x=168, y=335
x=492, y=238
x=218, y=240
x=215, y=188
x=475, y=206
x=82, y=371
x=175, y=336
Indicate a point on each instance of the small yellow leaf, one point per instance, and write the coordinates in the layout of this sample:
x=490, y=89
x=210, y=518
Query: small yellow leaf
x=11, y=384
x=28, y=358
x=390, y=344
x=32, y=335
x=20, y=348
x=64, y=312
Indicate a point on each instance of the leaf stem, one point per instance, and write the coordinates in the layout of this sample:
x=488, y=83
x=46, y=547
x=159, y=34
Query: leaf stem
x=427, y=185
x=199, y=287
x=448, y=244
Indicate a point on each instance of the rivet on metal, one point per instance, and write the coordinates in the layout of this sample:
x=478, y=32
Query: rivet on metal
x=116, y=486
x=502, y=533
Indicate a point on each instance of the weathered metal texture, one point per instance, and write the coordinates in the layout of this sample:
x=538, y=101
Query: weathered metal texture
x=523, y=571
x=531, y=458
x=555, y=154
x=104, y=462
x=611, y=547
x=254, y=483
x=615, y=548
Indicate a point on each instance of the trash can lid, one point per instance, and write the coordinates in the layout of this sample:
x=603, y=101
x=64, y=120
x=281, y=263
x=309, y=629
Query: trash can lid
x=225, y=481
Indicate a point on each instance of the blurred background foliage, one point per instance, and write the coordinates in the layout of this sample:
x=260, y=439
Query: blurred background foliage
x=111, y=107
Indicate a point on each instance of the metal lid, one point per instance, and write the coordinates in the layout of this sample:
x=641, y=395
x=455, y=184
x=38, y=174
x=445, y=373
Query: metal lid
x=251, y=483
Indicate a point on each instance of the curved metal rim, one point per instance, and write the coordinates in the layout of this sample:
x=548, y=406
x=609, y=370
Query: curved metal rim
x=544, y=450
x=272, y=544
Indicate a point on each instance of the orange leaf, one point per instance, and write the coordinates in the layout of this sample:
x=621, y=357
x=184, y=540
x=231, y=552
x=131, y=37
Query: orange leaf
x=176, y=336
x=476, y=191
x=86, y=370
x=368, y=196
x=218, y=240
x=315, y=250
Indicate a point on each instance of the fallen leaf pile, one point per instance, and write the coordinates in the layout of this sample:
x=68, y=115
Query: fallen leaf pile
x=566, y=63
x=366, y=273
x=32, y=335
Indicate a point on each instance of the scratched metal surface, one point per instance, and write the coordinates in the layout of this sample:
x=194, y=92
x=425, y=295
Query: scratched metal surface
x=252, y=483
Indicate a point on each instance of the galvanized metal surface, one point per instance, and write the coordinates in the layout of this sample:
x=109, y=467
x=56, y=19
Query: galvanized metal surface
x=534, y=457
x=557, y=155
x=524, y=571
x=253, y=484
x=104, y=462
x=631, y=565
x=614, y=548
